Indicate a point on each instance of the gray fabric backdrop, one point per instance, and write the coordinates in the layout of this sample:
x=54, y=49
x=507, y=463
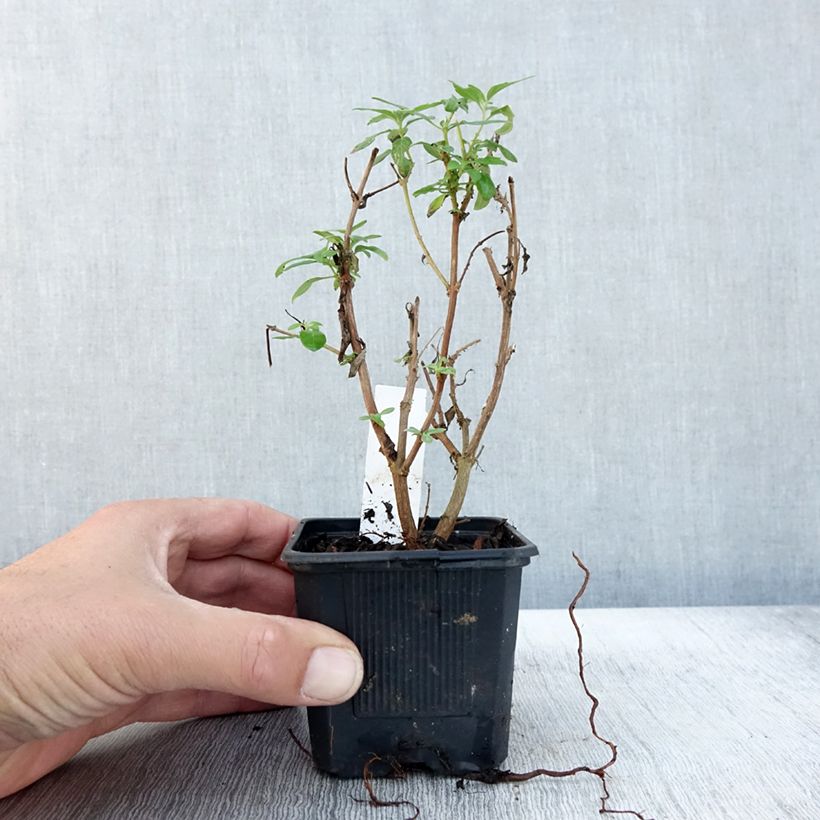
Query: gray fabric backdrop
x=158, y=159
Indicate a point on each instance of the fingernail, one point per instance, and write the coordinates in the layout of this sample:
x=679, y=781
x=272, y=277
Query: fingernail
x=332, y=674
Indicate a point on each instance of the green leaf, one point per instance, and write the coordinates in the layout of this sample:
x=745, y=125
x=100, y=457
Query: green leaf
x=427, y=189
x=425, y=435
x=295, y=263
x=402, y=143
x=474, y=174
x=376, y=418
x=486, y=186
x=373, y=249
x=383, y=154
x=507, y=153
x=480, y=202
x=454, y=165
x=491, y=161
x=506, y=112
x=388, y=102
x=425, y=106
x=306, y=286
x=312, y=338
x=436, y=204
x=451, y=105
x=404, y=165
x=432, y=150
x=363, y=144
x=441, y=367
x=469, y=92
x=494, y=89
x=489, y=121
x=329, y=236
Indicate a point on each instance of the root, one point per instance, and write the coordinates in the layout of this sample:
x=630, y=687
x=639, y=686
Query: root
x=499, y=776
x=376, y=802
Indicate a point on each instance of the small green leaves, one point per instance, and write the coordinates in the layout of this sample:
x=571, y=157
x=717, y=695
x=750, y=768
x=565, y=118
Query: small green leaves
x=435, y=204
x=427, y=435
x=334, y=256
x=506, y=112
x=310, y=335
x=306, y=286
x=376, y=418
x=441, y=367
x=452, y=104
x=368, y=249
x=325, y=256
x=470, y=92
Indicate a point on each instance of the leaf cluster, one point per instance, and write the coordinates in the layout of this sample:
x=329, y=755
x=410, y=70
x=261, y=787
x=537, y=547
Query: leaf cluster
x=330, y=256
x=459, y=144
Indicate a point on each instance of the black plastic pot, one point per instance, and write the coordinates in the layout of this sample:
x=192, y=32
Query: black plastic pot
x=437, y=633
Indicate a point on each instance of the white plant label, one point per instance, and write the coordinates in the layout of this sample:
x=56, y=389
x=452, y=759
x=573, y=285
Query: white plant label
x=379, y=520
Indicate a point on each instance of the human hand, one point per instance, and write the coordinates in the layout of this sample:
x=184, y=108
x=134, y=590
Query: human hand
x=154, y=611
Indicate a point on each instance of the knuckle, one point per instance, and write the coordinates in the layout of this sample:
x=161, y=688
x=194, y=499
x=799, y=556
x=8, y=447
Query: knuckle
x=259, y=654
x=115, y=510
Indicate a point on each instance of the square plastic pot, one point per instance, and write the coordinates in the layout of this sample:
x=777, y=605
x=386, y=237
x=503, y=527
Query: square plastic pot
x=436, y=629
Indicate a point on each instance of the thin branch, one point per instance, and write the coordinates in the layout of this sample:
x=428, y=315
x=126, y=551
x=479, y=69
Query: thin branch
x=274, y=329
x=441, y=421
x=412, y=378
x=377, y=191
x=427, y=255
x=423, y=522
x=475, y=248
x=461, y=419
x=440, y=418
x=505, y=285
x=460, y=350
x=451, y=448
x=347, y=316
x=429, y=342
x=444, y=347
x=350, y=188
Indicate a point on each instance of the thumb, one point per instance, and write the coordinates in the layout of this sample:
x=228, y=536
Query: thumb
x=269, y=658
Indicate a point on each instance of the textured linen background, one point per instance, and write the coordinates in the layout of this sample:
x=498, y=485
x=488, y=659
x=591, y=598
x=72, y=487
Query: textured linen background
x=661, y=415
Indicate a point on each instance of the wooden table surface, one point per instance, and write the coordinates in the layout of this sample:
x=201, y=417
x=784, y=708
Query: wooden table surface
x=716, y=713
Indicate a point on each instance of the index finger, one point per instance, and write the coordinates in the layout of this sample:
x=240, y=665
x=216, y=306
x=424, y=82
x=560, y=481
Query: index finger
x=216, y=527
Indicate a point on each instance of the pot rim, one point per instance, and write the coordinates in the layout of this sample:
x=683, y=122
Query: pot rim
x=518, y=555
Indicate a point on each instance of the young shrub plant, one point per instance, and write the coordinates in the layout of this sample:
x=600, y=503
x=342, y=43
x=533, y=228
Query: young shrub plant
x=463, y=136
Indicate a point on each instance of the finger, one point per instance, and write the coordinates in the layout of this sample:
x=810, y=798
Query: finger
x=206, y=527
x=247, y=584
x=270, y=658
x=214, y=527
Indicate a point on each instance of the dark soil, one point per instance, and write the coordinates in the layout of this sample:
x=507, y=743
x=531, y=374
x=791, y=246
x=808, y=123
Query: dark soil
x=497, y=537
